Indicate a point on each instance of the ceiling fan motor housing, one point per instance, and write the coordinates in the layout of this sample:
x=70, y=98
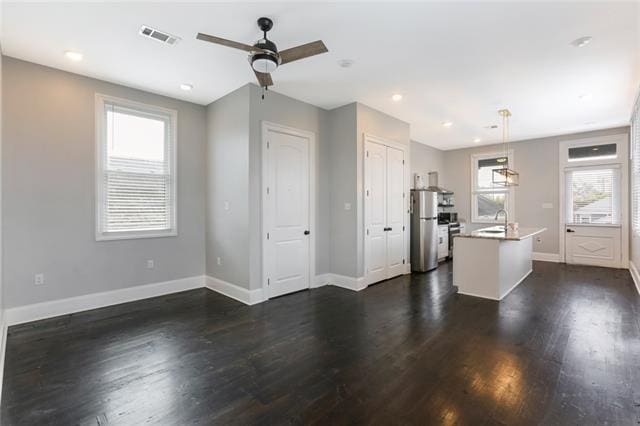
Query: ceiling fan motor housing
x=267, y=60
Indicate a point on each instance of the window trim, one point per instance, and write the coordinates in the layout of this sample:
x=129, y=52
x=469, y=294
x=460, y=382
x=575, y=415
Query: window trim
x=100, y=141
x=634, y=144
x=509, y=191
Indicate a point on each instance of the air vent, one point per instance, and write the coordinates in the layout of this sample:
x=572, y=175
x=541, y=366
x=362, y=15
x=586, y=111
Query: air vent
x=157, y=35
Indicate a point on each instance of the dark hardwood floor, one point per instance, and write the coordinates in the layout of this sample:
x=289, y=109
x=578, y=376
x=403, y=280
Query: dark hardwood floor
x=563, y=348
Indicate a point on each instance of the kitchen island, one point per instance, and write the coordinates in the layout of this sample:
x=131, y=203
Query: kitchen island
x=490, y=262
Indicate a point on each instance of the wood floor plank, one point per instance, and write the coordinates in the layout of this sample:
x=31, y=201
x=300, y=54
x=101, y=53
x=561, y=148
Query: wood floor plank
x=562, y=348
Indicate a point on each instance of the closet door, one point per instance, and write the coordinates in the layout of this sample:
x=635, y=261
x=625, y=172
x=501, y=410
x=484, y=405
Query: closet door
x=376, y=211
x=395, y=212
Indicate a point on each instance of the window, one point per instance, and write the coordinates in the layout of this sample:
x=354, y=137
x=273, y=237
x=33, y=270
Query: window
x=593, y=152
x=486, y=197
x=635, y=167
x=135, y=170
x=593, y=196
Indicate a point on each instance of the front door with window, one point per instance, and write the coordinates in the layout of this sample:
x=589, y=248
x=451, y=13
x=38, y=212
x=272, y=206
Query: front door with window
x=594, y=202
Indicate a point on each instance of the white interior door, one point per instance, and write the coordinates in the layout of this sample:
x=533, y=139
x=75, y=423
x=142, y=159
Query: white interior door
x=384, y=212
x=395, y=212
x=376, y=211
x=287, y=209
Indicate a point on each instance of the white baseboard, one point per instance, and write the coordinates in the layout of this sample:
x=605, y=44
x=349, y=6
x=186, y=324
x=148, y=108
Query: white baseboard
x=321, y=280
x=546, y=257
x=350, y=283
x=3, y=347
x=635, y=275
x=241, y=294
x=38, y=311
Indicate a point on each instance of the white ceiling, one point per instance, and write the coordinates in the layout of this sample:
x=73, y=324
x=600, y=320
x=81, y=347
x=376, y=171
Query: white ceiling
x=450, y=60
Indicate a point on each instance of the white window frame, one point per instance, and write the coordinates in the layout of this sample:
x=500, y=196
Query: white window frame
x=100, y=127
x=475, y=191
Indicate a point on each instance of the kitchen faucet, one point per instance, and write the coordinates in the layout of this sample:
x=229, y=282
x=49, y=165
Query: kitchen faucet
x=506, y=217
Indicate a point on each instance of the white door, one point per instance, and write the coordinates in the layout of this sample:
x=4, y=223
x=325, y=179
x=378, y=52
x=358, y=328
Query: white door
x=287, y=251
x=593, y=245
x=384, y=212
x=592, y=206
x=376, y=211
x=395, y=212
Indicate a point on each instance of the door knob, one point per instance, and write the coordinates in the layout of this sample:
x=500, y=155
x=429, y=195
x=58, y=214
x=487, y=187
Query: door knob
x=570, y=230
x=388, y=229
x=306, y=232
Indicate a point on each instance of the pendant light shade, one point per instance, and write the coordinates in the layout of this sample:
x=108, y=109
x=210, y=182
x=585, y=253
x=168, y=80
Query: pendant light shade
x=505, y=176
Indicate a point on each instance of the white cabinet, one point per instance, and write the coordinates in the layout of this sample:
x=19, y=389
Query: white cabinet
x=443, y=241
x=385, y=212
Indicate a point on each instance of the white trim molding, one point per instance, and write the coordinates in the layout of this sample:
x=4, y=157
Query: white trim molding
x=54, y=308
x=635, y=275
x=321, y=280
x=3, y=347
x=546, y=257
x=350, y=283
x=241, y=294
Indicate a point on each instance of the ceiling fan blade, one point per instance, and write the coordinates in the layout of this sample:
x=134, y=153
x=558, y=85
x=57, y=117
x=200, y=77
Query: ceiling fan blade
x=264, y=79
x=228, y=43
x=303, y=51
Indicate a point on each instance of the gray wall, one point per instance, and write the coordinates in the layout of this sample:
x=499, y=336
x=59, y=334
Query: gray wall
x=227, y=231
x=537, y=162
x=343, y=183
x=425, y=159
x=235, y=175
x=48, y=184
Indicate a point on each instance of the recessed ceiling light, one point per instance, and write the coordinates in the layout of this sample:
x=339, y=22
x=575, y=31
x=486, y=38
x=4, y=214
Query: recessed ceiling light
x=74, y=56
x=477, y=140
x=345, y=63
x=186, y=87
x=581, y=42
x=589, y=123
x=396, y=97
x=585, y=97
x=447, y=123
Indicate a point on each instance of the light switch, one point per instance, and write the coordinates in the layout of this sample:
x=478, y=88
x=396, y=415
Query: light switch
x=347, y=206
x=226, y=205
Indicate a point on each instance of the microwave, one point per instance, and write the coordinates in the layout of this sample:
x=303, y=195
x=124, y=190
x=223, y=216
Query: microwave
x=447, y=217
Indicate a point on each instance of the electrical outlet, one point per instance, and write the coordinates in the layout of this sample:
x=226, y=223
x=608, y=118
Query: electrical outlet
x=39, y=279
x=150, y=264
x=347, y=206
x=219, y=261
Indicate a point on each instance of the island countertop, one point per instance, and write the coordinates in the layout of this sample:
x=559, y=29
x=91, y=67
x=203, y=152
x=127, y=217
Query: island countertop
x=497, y=233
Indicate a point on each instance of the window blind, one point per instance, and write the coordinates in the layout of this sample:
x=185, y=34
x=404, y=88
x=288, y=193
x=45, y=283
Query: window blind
x=635, y=167
x=137, y=182
x=593, y=196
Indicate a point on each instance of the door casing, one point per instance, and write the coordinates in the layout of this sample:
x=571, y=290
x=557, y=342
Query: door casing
x=267, y=127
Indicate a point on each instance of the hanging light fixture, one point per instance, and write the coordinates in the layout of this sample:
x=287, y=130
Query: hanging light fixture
x=505, y=176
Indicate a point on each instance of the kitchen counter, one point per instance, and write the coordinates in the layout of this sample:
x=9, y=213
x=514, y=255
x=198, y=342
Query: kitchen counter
x=490, y=263
x=497, y=233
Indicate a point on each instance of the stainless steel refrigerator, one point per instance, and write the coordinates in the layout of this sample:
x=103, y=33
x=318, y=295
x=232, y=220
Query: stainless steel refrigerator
x=424, y=230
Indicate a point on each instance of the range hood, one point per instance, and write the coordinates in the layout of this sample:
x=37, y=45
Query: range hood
x=433, y=184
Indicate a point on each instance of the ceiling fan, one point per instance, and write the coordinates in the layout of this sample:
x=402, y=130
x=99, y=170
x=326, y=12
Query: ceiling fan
x=264, y=56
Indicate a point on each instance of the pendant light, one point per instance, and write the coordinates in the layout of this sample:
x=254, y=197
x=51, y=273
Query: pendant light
x=505, y=176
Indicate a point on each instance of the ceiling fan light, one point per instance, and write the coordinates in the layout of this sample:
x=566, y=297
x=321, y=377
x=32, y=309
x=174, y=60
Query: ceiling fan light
x=264, y=63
